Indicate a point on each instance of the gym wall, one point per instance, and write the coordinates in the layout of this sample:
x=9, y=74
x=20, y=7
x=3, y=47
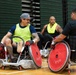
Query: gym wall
x=10, y=11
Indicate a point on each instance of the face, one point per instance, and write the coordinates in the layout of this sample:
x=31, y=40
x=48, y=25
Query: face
x=25, y=22
x=73, y=16
x=52, y=20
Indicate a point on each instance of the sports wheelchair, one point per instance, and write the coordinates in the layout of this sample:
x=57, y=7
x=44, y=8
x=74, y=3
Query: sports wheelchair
x=35, y=60
x=59, y=58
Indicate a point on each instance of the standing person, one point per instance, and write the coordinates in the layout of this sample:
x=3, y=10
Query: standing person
x=52, y=29
x=69, y=30
x=22, y=29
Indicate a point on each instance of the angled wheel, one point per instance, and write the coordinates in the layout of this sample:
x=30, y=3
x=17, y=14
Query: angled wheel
x=58, y=57
x=3, y=67
x=35, y=55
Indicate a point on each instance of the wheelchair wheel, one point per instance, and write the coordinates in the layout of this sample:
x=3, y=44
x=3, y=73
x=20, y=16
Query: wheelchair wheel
x=20, y=68
x=58, y=57
x=3, y=67
x=34, y=53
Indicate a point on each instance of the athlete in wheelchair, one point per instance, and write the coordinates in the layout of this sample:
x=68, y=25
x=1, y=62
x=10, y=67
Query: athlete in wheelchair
x=49, y=31
x=63, y=53
x=26, y=37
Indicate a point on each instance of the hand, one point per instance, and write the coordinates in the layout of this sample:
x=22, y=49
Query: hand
x=29, y=42
x=53, y=45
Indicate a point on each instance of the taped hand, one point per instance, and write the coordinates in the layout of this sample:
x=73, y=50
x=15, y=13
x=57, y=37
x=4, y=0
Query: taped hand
x=29, y=42
x=53, y=45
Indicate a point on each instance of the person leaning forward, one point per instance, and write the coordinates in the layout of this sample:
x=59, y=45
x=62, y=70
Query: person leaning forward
x=69, y=30
x=23, y=29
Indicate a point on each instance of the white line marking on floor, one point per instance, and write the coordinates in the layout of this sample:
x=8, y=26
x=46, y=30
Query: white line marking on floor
x=11, y=72
x=44, y=66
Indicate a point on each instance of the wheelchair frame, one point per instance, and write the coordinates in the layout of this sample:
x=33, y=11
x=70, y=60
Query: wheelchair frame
x=38, y=63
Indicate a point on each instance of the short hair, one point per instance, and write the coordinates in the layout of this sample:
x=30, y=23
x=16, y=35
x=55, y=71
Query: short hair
x=74, y=10
x=52, y=17
x=25, y=16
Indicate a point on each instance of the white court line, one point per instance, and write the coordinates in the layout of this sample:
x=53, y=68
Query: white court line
x=5, y=73
x=20, y=71
x=11, y=72
x=44, y=66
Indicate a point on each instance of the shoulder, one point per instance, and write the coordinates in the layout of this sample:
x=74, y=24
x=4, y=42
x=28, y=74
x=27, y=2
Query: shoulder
x=32, y=29
x=72, y=22
x=45, y=26
x=58, y=26
x=69, y=24
x=12, y=29
x=14, y=26
x=31, y=26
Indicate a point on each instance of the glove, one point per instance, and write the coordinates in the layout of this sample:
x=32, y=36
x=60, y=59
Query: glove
x=1, y=46
x=53, y=45
x=29, y=42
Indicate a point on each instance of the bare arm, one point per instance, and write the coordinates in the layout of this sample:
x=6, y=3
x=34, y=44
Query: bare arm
x=59, y=29
x=36, y=37
x=8, y=35
x=42, y=32
x=59, y=38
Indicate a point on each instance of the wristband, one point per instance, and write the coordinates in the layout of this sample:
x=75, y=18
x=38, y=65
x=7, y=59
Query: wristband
x=53, y=43
x=33, y=40
x=2, y=42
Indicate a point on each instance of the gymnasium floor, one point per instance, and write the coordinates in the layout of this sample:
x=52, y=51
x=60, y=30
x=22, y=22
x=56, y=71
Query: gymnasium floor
x=43, y=71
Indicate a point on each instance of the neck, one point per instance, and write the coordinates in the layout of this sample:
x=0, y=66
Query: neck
x=22, y=24
x=51, y=24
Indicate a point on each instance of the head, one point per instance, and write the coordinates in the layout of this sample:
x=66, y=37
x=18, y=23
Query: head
x=52, y=20
x=25, y=19
x=73, y=14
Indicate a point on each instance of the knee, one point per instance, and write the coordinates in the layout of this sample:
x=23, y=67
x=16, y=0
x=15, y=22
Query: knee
x=19, y=46
x=48, y=37
x=41, y=36
x=7, y=41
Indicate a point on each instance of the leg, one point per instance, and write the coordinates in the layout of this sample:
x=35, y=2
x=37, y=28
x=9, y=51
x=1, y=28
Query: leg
x=19, y=46
x=48, y=38
x=8, y=44
x=40, y=43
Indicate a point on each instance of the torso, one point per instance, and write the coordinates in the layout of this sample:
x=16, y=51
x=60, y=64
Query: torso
x=52, y=34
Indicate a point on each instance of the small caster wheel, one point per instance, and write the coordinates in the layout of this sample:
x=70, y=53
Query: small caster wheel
x=19, y=68
x=68, y=72
x=3, y=67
